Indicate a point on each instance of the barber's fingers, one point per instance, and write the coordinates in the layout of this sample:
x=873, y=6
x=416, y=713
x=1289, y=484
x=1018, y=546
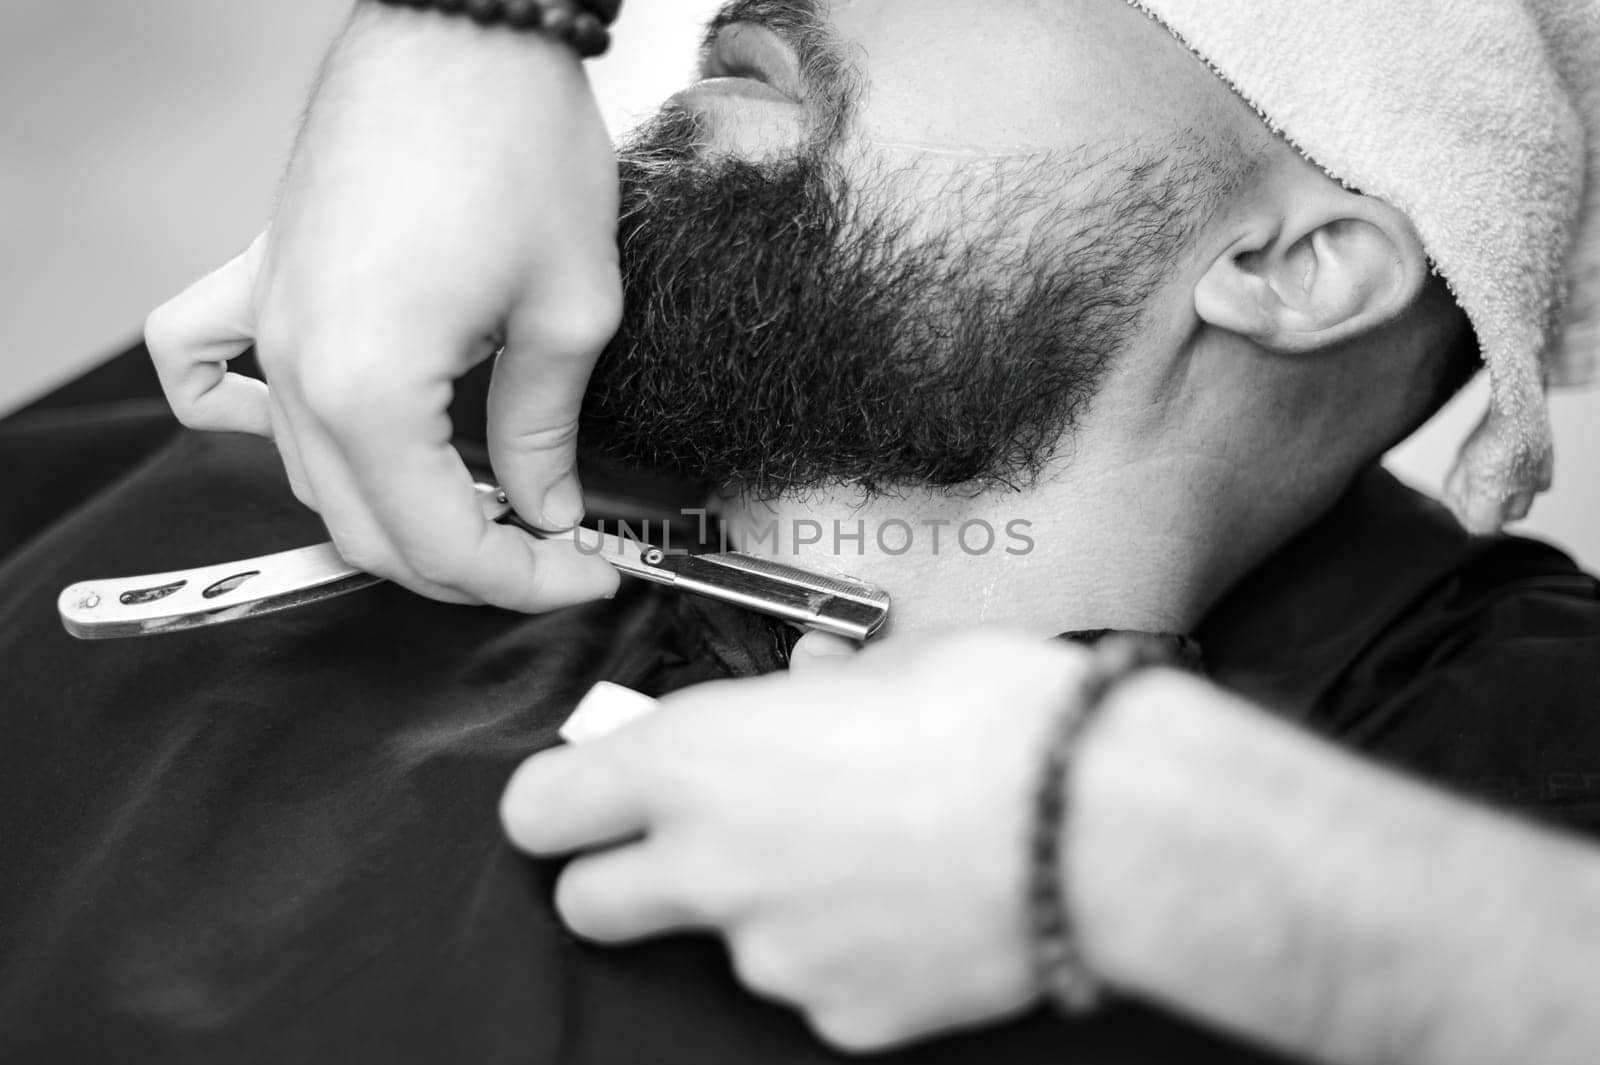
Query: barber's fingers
x=819, y=650
x=191, y=338
x=631, y=892
x=533, y=436
x=370, y=412
x=573, y=798
x=420, y=493
x=537, y=394
x=323, y=482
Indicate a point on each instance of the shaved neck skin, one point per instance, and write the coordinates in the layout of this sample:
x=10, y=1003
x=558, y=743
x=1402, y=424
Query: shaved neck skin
x=1123, y=535
x=1084, y=555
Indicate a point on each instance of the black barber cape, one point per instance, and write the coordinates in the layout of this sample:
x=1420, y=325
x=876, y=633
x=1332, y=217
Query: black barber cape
x=277, y=841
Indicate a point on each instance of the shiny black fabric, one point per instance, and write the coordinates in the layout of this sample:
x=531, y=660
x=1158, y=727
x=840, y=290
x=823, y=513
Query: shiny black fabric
x=277, y=842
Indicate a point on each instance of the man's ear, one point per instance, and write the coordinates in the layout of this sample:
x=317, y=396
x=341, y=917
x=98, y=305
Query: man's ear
x=1320, y=266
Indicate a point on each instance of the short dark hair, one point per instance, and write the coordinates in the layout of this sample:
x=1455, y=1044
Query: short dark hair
x=1457, y=360
x=1450, y=360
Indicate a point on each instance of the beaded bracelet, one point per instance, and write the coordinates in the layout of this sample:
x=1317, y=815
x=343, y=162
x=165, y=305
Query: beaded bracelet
x=1057, y=954
x=580, y=23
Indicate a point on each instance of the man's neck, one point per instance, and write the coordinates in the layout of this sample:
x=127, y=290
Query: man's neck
x=1139, y=547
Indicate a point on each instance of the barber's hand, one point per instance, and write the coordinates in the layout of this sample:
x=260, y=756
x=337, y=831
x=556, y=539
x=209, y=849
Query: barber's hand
x=856, y=829
x=453, y=189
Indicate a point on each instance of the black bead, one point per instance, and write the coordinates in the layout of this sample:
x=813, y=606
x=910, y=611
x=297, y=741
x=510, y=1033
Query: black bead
x=524, y=14
x=604, y=10
x=589, y=36
x=578, y=23
x=484, y=12
x=558, y=20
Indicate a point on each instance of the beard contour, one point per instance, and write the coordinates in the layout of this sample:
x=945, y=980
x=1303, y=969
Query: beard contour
x=780, y=337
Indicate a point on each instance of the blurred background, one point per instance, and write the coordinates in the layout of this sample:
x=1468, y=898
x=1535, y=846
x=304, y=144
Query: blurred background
x=140, y=145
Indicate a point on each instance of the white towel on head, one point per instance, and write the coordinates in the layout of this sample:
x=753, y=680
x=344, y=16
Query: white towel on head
x=1480, y=119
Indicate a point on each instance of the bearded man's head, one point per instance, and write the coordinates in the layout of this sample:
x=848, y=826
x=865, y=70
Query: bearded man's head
x=840, y=266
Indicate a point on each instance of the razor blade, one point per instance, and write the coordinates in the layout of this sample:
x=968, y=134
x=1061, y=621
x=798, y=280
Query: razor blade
x=157, y=603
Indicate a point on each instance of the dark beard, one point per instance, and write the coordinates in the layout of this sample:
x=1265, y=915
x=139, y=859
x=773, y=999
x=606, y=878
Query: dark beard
x=776, y=340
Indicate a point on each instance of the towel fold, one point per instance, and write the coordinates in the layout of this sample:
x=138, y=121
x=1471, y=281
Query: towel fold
x=1480, y=119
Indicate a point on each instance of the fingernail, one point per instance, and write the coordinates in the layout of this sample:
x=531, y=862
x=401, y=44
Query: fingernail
x=822, y=645
x=607, y=708
x=563, y=505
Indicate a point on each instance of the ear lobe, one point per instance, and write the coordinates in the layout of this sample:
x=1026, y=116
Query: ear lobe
x=1330, y=268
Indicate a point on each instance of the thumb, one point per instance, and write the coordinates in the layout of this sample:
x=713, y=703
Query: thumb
x=533, y=436
x=535, y=397
x=820, y=650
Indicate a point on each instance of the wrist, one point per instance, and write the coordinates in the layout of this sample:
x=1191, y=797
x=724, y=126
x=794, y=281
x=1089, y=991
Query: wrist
x=1130, y=803
x=1195, y=818
x=1058, y=953
x=410, y=34
x=583, y=26
x=409, y=69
